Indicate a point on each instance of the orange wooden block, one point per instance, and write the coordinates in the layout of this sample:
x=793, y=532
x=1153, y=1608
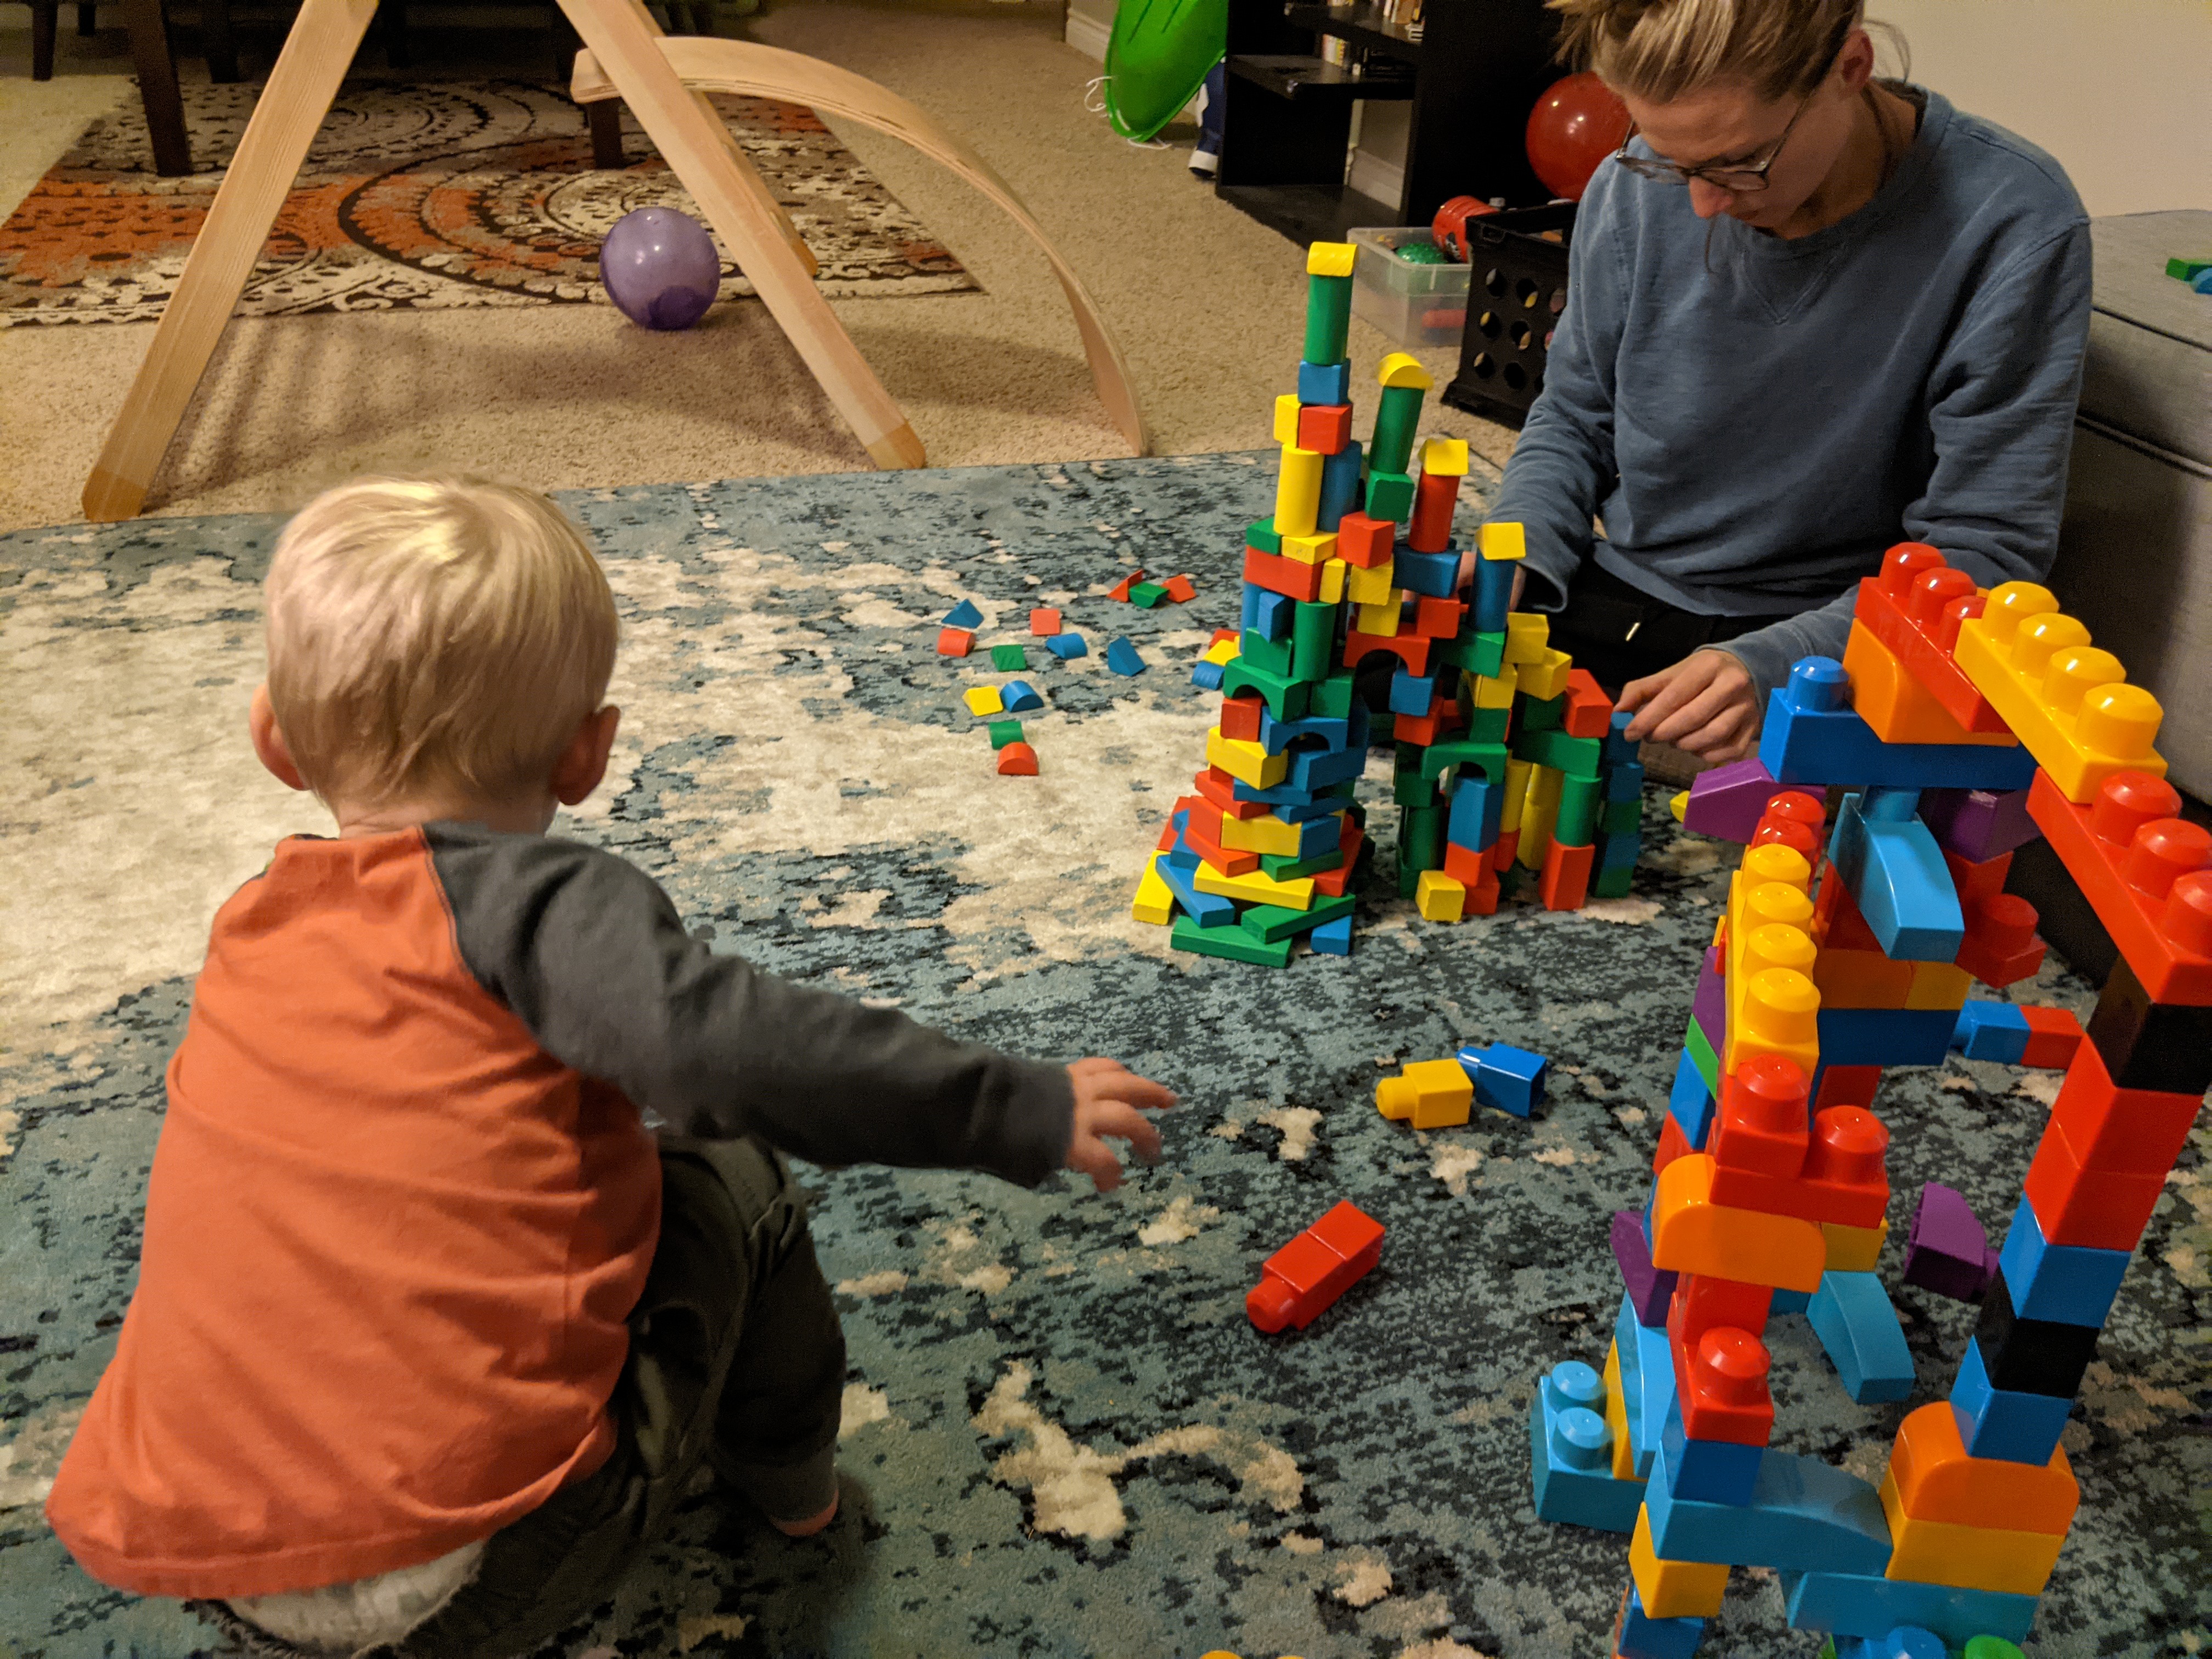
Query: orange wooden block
x=1412, y=649
x=1589, y=711
x=1018, y=760
x=1219, y=790
x=1438, y=618
x=1240, y=718
x=1466, y=866
x=1044, y=623
x=1180, y=589
x=1422, y=730
x=954, y=641
x=1936, y=1480
x=1324, y=428
x=1285, y=576
x=1121, y=589
x=1435, y=496
x=1365, y=542
x=1565, y=884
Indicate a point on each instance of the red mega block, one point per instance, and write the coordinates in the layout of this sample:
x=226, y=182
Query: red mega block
x=2103, y=1209
x=1325, y=428
x=1589, y=711
x=1763, y=1125
x=2001, y=947
x=2053, y=1036
x=1914, y=607
x=1844, y=1180
x=1365, y=542
x=1673, y=1141
x=1285, y=576
x=1300, y=1281
x=1565, y=882
x=2127, y=1131
x=2146, y=871
x=1723, y=1388
x=1847, y=1086
x=1703, y=1303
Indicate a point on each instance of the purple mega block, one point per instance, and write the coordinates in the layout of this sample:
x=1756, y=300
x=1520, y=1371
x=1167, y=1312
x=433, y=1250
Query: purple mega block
x=1650, y=1289
x=1727, y=800
x=1977, y=824
x=1948, y=1252
x=1709, y=1007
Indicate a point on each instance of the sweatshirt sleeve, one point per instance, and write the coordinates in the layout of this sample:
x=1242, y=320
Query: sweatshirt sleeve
x=1563, y=464
x=590, y=954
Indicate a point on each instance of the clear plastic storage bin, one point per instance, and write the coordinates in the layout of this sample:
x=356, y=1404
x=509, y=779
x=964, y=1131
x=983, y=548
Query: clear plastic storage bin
x=1416, y=305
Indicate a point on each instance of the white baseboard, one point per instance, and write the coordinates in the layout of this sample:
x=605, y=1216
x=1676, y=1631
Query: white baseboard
x=1371, y=175
x=1087, y=34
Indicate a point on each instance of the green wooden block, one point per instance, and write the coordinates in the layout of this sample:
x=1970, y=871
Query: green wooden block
x=1397, y=416
x=1313, y=642
x=1612, y=884
x=1488, y=656
x=1543, y=713
x=2185, y=270
x=1489, y=725
x=1411, y=789
x=1421, y=838
x=1009, y=659
x=1577, y=757
x=1004, y=733
x=1261, y=534
x=1462, y=752
x=1619, y=817
x=1577, y=822
x=1331, y=697
x=1328, y=318
x=1390, y=496
x=1276, y=922
x=1281, y=867
x=1287, y=699
x=1232, y=943
x=1701, y=1052
x=1275, y=656
x=1147, y=594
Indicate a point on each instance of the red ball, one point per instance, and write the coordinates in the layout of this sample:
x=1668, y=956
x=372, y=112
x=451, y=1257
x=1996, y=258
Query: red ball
x=1575, y=124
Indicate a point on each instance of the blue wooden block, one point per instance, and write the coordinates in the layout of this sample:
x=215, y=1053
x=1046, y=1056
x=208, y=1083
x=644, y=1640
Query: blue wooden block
x=1571, y=1453
x=1992, y=1030
x=1869, y=1605
x=1509, y=1079
x=1317, y=768
x=1493, y=594
x=1268, y=613
x=1207, y=909
x=1624, y=780
x=1324, y=383
x=1332, y=938
x=2072, y=1283
x=1435, y=574
x=1896, y=871
x=1412, y=693
x=1617, y=852
x=1020, y=697
x=1340, y=484
x=1478, y=807
x=1885, y=1036
x=1804, y=1514
x=1206, y=676
x=1642, y=1637
x=1813, y=736
x=1711, y=1471
x=2020, y=1428
x=1332, y=797
x=1618, y=747
x=1122, y=657
x=962, y=615
x=1690, y=1103
x=1851, y=1315
x=1067, y=647
x=1349, y=732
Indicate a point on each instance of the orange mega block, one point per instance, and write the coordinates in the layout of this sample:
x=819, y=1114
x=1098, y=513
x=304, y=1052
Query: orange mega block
x=1936, y=1480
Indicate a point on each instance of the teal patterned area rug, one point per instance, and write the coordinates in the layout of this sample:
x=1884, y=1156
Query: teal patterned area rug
x=1061, y=1436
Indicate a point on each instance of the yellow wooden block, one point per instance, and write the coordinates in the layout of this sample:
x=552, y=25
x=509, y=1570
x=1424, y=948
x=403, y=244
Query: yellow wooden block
x=1316, y=547
x=1256, y=888
x=1329, y=258
x=1246, y=761
x=1673, y=1589
x=1403, y=368
x=1546, y=677
x=1853, y=1249
x=1434, y=1094
x=983, y=700
x=1692, y=1234
x=1286, y=418
x=1967, y=1557
x=1616, y=1417
x=1297, y=492
x=1496, y=691
x=1938, y=985
x=1439, y=898
x=1155, y=901
x=1265, y=834
x=1678, y=806
x=1502, y=541
x=1538, y=814
x=1527, y=636
x=1446, y=457
x=1365, y=587
x=1380, y=620
x=2068, y=701
x=1221, y=651
x=1516, y=794
x=1332, y=582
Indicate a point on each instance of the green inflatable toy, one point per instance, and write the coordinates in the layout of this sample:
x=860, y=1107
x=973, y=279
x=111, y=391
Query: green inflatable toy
x=1158, y=59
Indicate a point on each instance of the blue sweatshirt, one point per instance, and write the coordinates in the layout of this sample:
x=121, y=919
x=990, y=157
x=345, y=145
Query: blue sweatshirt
x=1756, y=421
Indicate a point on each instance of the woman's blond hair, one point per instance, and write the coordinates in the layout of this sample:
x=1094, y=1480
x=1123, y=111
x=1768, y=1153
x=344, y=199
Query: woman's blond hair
x=434, y=636
x=1658, y=50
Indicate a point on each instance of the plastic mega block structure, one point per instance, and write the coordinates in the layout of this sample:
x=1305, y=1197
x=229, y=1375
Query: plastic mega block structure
x=1963, y=723
x=1511, y=764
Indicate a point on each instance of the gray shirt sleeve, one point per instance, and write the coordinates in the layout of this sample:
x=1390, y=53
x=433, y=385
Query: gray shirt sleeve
x=592, y=956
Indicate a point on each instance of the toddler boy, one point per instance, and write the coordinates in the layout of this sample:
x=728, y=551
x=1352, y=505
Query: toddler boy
x=431, y=1330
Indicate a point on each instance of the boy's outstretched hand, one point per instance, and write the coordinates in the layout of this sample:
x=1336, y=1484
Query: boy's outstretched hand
x=1110, y=1103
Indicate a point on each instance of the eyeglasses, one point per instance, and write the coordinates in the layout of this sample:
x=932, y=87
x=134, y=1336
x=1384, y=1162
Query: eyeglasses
x=1744, y=180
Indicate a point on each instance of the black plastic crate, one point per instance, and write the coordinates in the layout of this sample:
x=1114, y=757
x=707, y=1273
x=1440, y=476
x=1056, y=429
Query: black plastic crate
x=1513, y=304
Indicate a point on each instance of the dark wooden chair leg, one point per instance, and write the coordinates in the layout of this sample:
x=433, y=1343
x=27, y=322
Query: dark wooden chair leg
x=45, y=17
x=606, y=117
x=88, y=17
x=157, y=88
x=391, y=34
x=566, y=42
x=217, y=42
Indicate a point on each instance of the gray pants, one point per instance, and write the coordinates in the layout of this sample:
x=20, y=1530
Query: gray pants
x=736, y=1358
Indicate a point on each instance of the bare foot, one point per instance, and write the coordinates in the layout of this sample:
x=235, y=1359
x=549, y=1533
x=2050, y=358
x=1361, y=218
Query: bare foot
x=808, y=1527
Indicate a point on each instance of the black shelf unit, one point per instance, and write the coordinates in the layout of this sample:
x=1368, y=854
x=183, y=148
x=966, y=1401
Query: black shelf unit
x=1472, y=78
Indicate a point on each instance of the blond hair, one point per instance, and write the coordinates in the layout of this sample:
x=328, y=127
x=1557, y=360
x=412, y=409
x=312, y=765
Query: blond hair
x=434, y=635
x=1659, y=49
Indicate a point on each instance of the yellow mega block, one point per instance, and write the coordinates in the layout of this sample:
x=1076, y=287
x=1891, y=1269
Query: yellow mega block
x=1155, y=900
x=1938, y=985
x=1265, y=834
x=1539, y=812
x=1440, y=897
x=1527, y=636
x=1616, y=1417
x=1315, y=547
x=2068, y=701
x=1853, y=1249
x=1380, y=620
x=983, y=700
x=1371, y=586
x=1332, y=582
x=1673, y=1589
x=1502, y=541
x=1257, y=888
x=1297, y=492
x=1445, y=457
x=1967, y=1557
x=1403, y=368
x=1286, y=418
x=1692, y=1234
x=1546, y=677
x=1435, y=1094
x=1773, y=1005
x=1329, y=258
x=1246, y=761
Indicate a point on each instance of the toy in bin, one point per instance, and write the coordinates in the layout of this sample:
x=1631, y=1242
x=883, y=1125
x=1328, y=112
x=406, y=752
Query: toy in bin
x=1407, y=286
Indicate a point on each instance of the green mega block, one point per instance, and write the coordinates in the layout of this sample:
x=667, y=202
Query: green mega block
x=1701, y=1053
x=1232, y=943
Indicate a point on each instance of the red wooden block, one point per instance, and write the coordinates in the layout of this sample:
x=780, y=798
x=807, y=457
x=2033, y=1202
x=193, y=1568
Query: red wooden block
x=2121, y=1131
x=1219, y=790
x=1765, y=1123
x=1240, y=718
x=1018, y=760
x=2103, y=1209
x=1180, y=589
x=1703, y=1303
x=1121, y=589
x=1325, y=428
x=1589, y=711
x=1673, y=1141
x=2053, y=1036
x=1847, y=1086
x=1422, y=730
x=1044, y=622
x=1723, y=1388
x=1911, y=608
x=1167, y=840
x=1280, y=575
x=1435, y=494
x=1222, y=636
x=1330, y=884
x=1438, y=618
x=1412, y=649
x=1466, y=866
x=1502, y=854
x=1209, y=848
x=2144, y=871
x=1481, y=896
x=1565, y=883
x=1300, y=1281
x=954, y=641
x=1365, y=542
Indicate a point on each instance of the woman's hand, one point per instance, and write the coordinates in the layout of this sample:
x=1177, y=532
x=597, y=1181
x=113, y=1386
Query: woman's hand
x=1705, y=704
x=1110, y=1103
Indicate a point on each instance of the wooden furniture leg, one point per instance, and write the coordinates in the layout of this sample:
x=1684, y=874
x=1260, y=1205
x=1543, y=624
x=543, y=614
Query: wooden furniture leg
x=316, y=54
x=605, y=118
x=157, y=88
x=87, y=18
x=620, y=35
x=392, y=34
x=217, y=44
x=45, y=17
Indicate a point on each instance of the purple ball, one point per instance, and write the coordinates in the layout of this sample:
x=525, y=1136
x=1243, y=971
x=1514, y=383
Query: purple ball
x=660, y=268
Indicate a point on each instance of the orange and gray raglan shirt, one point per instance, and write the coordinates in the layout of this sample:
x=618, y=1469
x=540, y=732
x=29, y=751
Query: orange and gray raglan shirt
x=403, y=1201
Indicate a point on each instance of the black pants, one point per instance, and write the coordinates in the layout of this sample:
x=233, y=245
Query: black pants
x=1622, y=633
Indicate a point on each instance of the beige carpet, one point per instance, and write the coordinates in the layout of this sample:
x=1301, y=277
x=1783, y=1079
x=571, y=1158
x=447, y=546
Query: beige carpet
x=1207, y=304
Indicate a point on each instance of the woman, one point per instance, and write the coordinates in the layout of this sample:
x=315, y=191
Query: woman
x=1811, y=315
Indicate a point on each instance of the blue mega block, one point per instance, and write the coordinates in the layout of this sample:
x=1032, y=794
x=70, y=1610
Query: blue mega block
x=1435, y=576
x=1122, y=657
x=1813, y=736
x=1324, y=383
x=1869, y=1605
x=1509, y=1079
x=1208, y=675
x=2020, y=1428
x=1885, y=1036
x=1711, y=1471
x=1268, y=613
x=1571, y=1453
x=1478, y=807
x=1803, y=1514
x=1992, y=1030
x=1851, y=1315
x=1641, y=1637
x=1493, y=594
x=1903, y=1642
x=1896, y=871
x=1069, y=646
x=1020, y=697
x=1788, y=1302
x=2072, y=1283
x=1654, y=1393
x=963, y=614
x=1340, y=484
x=1690, y=1103
x=1207, y=909
x=1332, y=938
